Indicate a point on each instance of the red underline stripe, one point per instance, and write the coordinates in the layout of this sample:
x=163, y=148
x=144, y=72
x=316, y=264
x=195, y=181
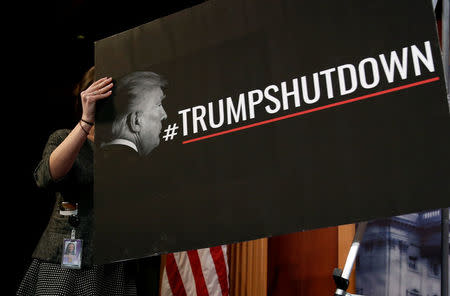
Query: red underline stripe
x=313, y=110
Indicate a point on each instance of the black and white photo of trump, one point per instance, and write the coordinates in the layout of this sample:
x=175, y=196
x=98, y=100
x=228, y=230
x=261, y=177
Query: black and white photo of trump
x=128, y=130
x=138, y=113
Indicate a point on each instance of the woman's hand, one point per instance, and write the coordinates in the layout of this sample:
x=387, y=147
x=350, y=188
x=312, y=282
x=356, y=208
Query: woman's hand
x=98, y=90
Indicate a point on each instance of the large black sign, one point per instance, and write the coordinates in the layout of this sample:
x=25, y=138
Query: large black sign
x=235, y=120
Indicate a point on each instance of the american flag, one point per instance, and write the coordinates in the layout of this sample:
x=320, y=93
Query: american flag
x=202, y=272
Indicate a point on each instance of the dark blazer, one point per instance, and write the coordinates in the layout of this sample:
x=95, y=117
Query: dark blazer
x=78, y=187
x=75, y=187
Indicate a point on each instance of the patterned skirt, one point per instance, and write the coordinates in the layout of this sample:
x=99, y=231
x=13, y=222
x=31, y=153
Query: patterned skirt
x=49, y=279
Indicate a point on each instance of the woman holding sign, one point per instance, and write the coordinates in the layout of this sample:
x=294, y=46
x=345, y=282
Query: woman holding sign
x=62, y=261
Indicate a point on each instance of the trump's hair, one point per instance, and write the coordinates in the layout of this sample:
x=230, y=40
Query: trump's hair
x=128, y=97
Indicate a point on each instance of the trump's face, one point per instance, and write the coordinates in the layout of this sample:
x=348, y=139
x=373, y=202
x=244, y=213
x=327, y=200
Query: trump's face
x=151, y=118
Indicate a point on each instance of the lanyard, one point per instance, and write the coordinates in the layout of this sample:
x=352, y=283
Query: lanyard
x=73, y=247
x=71, y=210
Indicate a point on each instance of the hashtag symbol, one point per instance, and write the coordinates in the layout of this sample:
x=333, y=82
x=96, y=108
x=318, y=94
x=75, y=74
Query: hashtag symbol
x=170, y=132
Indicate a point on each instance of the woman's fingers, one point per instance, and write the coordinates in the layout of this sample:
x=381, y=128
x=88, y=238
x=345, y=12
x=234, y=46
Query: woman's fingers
x=98, y=84
x=101, y=80
x=102, y=93
x=100, y=96
x=99, y=89
x=105, y=88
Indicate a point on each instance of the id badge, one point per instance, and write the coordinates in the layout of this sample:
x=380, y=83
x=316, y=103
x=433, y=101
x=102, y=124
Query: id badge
x=71, y=255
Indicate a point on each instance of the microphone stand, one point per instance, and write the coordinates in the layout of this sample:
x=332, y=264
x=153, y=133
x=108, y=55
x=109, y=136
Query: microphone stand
x=341, y=277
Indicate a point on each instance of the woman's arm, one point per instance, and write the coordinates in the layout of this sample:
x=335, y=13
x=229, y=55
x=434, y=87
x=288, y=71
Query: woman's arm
x=63, y=157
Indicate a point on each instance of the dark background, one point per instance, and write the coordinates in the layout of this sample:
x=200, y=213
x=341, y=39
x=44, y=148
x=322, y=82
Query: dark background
x=44, y=56
x=47, y=46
